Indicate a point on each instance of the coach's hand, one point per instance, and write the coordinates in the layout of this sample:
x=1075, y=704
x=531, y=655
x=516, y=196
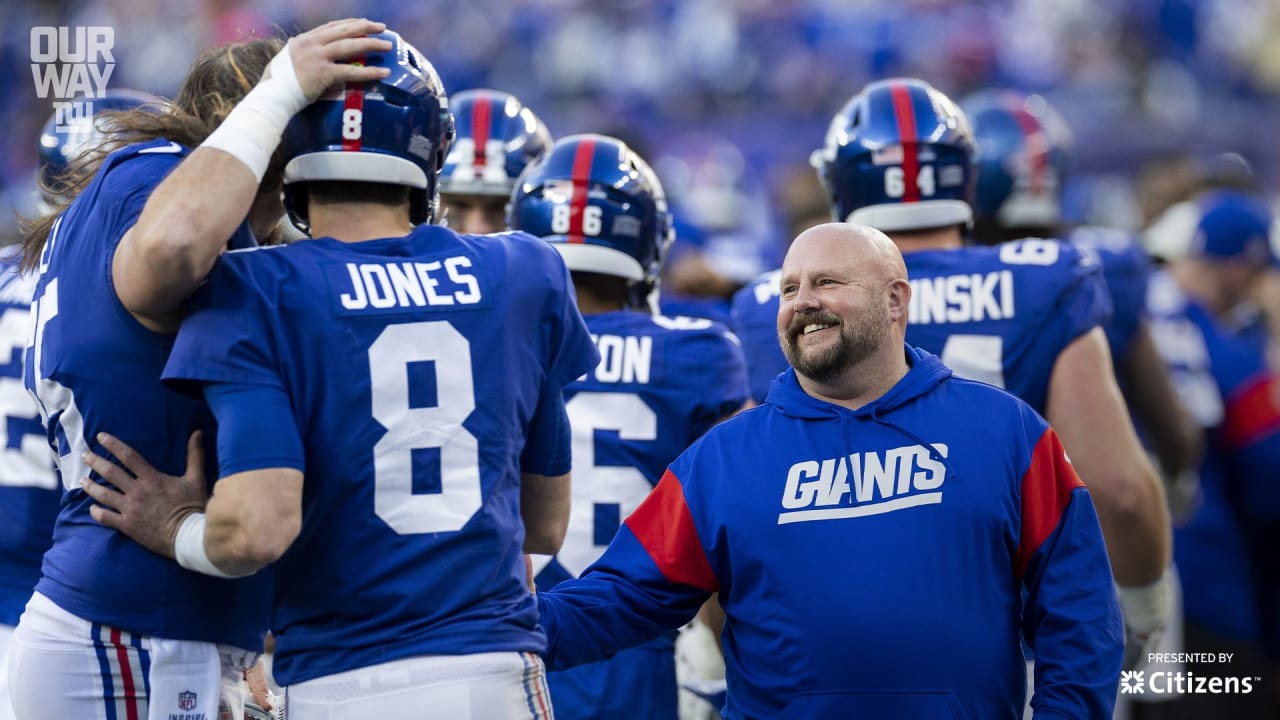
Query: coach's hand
x=145, y=504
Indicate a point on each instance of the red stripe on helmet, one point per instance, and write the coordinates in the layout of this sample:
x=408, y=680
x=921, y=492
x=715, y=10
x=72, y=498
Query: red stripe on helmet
x=1036, y=142
x=582, y=157
x=906, y=117
x=353, y=124
x=481, y=126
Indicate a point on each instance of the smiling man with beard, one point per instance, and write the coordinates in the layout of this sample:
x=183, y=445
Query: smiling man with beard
x=878, y=550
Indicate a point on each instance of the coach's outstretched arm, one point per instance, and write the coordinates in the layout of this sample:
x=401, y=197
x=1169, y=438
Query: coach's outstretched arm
x=187, y=220
x=652, y=579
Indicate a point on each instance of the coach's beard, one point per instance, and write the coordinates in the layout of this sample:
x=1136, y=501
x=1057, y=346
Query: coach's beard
x=857, y=341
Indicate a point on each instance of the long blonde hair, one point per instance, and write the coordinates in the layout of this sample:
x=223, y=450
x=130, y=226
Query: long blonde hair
x=218, y=80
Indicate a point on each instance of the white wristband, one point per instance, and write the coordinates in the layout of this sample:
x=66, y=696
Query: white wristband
x=252, y=130
x=1147, y=608
x=188, y=547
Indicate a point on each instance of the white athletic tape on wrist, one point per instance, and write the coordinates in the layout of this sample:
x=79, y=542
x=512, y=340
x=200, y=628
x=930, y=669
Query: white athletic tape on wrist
x=1146, y=608
x=188, y=547
x=252, y=130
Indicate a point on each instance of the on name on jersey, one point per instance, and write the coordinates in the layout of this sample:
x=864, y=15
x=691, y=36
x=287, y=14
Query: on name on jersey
x=623, y=358
x=381, y=285
x=863, y=483
x=971, y=297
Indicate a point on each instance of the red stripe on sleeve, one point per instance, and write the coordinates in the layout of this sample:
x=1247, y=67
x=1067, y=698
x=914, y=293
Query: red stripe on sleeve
x=353, y=123
x=906, y=117
x=582, y=157
x=1046, y=491
x=481, y=123
x=1253, y=412
x=665, y=529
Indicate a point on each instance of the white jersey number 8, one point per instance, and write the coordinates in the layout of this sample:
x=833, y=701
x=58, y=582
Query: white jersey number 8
x=410, y=428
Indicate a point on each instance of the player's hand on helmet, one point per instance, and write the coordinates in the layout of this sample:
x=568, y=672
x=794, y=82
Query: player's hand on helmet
x=145, y=504
x=320, y=54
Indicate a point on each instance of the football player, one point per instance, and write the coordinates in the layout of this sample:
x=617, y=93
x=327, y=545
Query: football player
x=1022, y=169
x=29, y=488
x=413, y=376
x=661, y=383
x=113, y=630
x=1026, y=316
x=497, y=139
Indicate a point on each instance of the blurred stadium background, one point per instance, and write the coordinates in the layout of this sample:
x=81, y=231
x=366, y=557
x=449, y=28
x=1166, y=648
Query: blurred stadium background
x=1144, y=83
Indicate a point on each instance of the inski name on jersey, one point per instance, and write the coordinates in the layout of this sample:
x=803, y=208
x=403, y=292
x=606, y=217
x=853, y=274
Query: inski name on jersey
x=863, y=483
x=409, y=284
x=971, y=297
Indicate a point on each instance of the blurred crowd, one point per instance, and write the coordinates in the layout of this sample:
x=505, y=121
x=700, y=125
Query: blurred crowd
x=736, y=93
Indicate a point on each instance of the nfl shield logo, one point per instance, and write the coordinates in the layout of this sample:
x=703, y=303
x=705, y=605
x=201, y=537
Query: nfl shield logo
x=186, y=701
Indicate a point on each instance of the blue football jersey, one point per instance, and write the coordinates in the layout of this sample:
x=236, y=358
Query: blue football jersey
x=1125, y=270
x=414, y=366
x=998, y=314
x=94, y=368
x=661, y=383
x=1002, y=314
x=29, y=490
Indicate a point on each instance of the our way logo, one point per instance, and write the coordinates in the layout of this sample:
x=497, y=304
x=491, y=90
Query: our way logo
x=71, y=66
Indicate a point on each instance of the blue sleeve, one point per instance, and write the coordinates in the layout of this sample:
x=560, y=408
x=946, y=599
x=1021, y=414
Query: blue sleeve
x=718, y=358
x=1126, y=276
x=651, y=579
x=256, y=428
x=226, y=336
x=547, y=451
x=1085, y=302
x=572, y=351
x=1078, y=640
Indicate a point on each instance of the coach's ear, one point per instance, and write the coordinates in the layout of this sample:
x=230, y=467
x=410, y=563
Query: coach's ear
x=898, y=294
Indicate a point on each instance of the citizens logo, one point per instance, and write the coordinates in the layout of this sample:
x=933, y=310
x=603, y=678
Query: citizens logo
x=71, y=66
x=1138, y=682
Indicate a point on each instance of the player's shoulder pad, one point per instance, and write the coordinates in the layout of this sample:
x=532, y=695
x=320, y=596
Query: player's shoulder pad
x=1049, y=260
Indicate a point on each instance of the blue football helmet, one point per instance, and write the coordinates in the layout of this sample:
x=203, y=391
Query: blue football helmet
x=600, y=205
x=1024, y=152
x=497, y=138
x=396, y=131
x=60, y=146
x=898, y=156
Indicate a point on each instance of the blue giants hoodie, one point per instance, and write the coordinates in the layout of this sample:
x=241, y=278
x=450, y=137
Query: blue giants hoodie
x=878, y=563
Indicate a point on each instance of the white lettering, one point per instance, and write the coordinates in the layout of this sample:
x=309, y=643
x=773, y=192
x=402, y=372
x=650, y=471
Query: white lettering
x=472, y=294
x=409, y=285
x=378, y=285
x=429, y=283
x=964, y=298
x=358, y=301
x=800, y=494
x=882, y=482
x=623, y=359
x=404, y=280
